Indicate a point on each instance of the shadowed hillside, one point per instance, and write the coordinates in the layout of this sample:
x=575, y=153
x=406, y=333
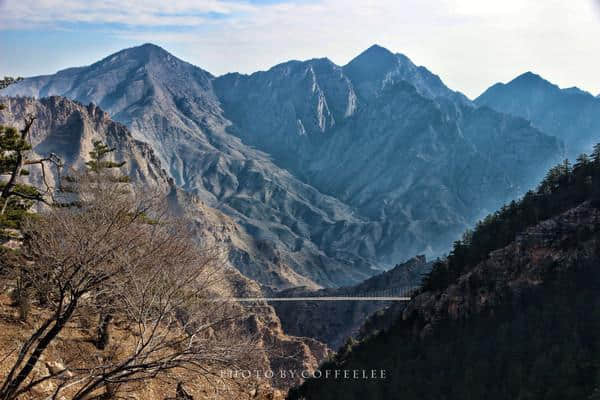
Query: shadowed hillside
x=511, y=313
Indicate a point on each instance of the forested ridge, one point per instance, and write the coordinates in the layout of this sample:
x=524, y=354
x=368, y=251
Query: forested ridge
x=564, y=187
x=513, y=312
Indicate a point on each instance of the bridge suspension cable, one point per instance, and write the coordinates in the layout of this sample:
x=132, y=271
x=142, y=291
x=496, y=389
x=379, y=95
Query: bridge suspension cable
x=389, y=294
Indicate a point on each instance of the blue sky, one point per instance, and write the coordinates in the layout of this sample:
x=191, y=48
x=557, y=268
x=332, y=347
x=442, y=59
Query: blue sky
x=471, y=44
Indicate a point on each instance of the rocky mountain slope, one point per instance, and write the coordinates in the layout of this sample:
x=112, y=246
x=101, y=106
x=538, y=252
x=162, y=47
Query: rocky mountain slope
x=337, y=171
x=68, y=129
x=511, y=315
x=171, y=105
x=570, y=114
x=377, y=68
x=392, y=141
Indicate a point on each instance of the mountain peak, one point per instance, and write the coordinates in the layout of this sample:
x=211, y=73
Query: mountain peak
x=374, y=55
x=371, y=64
x=377, y=49
x=378, y=67
x=149, y=45
x=148, y=55
x=529, y=75
x=529, y=78
x=146, y=50
x=321, y=61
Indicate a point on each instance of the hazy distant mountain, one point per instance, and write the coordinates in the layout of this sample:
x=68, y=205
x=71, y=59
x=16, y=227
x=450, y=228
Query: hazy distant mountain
x=333, y=322
x=335, y=170
x=377, y=68
x=389, y=139
x=572, y=115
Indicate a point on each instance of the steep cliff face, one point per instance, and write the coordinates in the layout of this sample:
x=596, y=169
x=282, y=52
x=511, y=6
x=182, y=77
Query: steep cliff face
x=522, y=323
x=68, y=129
x=572, y=115
x=339, y=172
x=172, y=106
x=307, y=99
x=409, y=154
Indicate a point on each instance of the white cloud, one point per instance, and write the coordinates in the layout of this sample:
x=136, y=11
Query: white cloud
x=471, y=44
x=18, y=13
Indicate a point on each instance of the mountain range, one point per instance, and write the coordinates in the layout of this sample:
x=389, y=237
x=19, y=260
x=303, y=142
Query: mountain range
x=332, y=172
x=571, y=114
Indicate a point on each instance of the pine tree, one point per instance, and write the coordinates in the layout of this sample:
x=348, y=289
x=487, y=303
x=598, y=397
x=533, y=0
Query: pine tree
x=16, y=197
x=8, y=80
x=555, y=177
x=98, y=162
x=583, y=161
x=596, y=154
x=100, y=168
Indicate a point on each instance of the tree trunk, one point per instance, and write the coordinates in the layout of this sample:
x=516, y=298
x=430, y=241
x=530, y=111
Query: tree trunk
x=103, y=335
x=10, y=388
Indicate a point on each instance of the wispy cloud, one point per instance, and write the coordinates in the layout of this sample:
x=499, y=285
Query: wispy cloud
x=31, y=13
x=470, y=43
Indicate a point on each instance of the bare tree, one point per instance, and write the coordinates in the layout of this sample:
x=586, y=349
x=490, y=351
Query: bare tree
x=119, y=253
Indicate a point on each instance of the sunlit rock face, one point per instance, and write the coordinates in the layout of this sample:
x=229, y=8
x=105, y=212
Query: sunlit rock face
x=69, y=129
x=333, y=172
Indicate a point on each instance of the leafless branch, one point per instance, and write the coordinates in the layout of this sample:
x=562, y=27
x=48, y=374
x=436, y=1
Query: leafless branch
x=121, y=255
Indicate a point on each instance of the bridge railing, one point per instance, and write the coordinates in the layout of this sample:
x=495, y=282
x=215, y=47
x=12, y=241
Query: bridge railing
x=401, y=291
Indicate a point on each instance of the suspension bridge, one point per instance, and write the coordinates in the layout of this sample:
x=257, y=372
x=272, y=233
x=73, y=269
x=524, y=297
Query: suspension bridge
x=388, y=294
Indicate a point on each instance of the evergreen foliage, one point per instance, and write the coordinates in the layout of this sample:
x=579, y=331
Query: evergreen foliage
x=16, y=198
x=540, y=342
x=8, y=80
x=564, y=187
x=98, y=161
x=98, y=168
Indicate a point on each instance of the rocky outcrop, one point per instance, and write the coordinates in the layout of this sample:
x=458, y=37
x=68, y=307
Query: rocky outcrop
x=68, y=129
x=556, y=243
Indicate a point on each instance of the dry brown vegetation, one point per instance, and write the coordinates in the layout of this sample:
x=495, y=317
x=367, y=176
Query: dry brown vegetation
x=115, y=257
x=104, y=294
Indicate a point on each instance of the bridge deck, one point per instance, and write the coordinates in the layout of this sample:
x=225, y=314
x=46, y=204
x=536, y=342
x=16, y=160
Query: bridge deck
x=324, y=298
